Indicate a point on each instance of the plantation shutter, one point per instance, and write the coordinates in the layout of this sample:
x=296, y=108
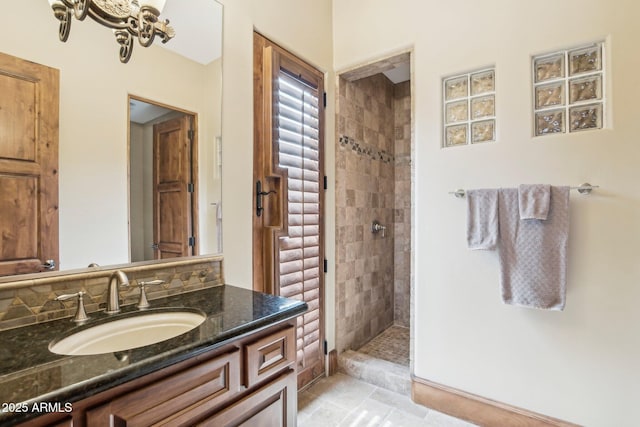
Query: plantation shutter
x=299, y=254
x=288, y=172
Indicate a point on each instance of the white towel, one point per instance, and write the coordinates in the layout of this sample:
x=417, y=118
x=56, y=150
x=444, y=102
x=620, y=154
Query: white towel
x=482, y=218
x=533, y=201
x=533, y=253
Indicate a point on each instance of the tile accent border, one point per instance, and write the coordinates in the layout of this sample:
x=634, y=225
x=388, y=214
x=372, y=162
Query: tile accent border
x=477, y=409
x=30, y=299
x=363, y=149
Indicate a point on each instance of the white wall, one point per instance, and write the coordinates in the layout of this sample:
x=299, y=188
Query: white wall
x=303, y=27
x=209, y=171
x=93, y=120
x=580, y=365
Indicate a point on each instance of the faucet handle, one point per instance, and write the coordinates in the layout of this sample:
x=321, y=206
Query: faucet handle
x=144, y=303
x=81, y=314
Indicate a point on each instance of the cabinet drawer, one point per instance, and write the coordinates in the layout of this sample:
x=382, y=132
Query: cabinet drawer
x=272, y=405
x=195, y=390
x=269, y=355
x=49, y=420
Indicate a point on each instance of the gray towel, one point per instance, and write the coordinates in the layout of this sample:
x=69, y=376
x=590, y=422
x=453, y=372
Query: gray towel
x=482, y=218
x=533, y=253
x=533, y=201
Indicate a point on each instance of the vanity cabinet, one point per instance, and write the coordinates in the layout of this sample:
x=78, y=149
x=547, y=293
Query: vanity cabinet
x=248, y=381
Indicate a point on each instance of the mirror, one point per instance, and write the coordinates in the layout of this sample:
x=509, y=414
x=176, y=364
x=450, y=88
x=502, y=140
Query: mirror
x=95, y=88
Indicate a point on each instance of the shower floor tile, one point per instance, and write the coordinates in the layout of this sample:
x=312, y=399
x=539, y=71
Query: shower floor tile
x=391, y=345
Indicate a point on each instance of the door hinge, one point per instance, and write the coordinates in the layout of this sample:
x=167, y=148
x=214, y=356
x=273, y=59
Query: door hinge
x=325, y=347
x=192, y=241
x=190, y=187
x=325, y=265
x=325, y=182
x=324, y=99
x=191, y=134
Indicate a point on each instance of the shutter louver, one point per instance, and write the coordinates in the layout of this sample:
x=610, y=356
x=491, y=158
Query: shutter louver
x=297, y=123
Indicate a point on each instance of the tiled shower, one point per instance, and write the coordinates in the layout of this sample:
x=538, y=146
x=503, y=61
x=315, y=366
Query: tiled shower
x=373, y=183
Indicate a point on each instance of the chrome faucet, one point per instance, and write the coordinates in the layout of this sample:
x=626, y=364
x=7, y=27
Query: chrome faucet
x=113, y=303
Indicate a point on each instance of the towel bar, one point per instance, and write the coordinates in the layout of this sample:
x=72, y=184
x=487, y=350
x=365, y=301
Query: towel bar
x=585, y=188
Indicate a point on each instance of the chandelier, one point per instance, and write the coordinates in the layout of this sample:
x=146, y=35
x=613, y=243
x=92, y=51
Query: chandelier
x=129, y=19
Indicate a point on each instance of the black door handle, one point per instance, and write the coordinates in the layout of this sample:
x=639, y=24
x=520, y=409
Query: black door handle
x=259, y=194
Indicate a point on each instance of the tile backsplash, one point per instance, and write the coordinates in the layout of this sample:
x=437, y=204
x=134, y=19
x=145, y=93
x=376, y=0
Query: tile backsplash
x=32, y=299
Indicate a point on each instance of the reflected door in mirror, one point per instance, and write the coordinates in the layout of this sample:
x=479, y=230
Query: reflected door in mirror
x=173, y=188
x=29, y=107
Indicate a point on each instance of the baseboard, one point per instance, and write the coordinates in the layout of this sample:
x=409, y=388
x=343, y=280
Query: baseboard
x=332, y=358
x=476, y=409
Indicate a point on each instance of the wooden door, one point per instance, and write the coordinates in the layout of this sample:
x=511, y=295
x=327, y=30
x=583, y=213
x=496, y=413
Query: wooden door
x=173, y=188
x=288, y=244
x=29, y=106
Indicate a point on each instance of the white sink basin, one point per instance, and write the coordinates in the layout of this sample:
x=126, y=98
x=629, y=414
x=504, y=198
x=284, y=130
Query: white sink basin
x=128, y=332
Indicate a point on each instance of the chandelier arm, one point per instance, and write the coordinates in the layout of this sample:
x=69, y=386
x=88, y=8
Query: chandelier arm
x=125, y=40
x=81, y=8
x=147, y=17
x=63, y=14
x=164, y=30
x=65, y=26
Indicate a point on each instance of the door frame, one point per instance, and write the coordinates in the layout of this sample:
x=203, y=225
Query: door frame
x=193, y=156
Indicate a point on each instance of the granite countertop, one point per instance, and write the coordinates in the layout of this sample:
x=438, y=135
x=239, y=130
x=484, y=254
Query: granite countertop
x=30, y=373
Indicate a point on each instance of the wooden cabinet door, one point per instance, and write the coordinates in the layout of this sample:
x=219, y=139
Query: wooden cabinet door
x=274, y=405
x=28, y=165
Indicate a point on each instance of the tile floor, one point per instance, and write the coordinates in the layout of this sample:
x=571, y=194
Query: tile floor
x=383, y=361
x=341, y=400
x=391, y=345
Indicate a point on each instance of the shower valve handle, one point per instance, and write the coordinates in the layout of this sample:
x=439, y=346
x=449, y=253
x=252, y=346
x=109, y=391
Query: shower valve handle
x=376, y=228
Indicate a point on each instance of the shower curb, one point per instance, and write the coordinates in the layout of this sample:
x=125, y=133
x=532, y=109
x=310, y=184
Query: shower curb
x=381, y=373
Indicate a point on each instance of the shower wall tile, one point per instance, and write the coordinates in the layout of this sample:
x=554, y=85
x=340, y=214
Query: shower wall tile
x=373, y=181
x=402, y=204
x=365, y=169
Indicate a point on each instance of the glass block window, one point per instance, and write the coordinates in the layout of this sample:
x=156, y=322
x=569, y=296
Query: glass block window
x=568, y=90
x=469, y=105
